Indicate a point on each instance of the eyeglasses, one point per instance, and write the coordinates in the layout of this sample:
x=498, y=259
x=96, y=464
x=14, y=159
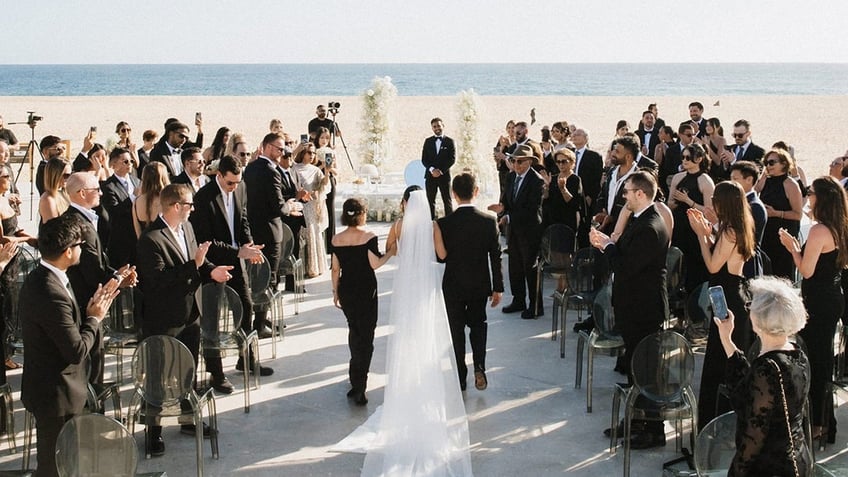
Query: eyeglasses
x=244, y=154
x=126, y=161
x=289, y=143
x=836, y=163
x=520, y=160
x=772, y=162
x=739, y=135
x=91, y=189
x=190, y=204
x=281, y=149
x=126, y=130
x=77, y=244
x=687, y=134
x=563, y=161
x=232, y=183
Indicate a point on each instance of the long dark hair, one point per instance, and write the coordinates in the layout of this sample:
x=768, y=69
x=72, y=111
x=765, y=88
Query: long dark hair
x=831, y=211
x=219, y=147
x=697, y=151
x=734, y=214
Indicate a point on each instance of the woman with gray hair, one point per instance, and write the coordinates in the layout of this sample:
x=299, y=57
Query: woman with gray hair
x=769, y=393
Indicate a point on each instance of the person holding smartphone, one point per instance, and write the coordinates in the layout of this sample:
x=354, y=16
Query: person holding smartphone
x=724, y=254
x=326, y=157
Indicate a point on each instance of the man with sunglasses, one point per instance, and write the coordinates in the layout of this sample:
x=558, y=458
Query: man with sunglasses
x=50, y=146
x=743, y=149
x=168, y=151
x=193, y=169
x=119, y=190
x=521, y=207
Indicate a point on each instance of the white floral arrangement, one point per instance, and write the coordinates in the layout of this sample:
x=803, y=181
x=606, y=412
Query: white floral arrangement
x=469, y=157
x=379, y=101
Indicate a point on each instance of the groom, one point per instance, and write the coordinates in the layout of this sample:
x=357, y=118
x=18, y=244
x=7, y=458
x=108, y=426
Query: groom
x=470, y=252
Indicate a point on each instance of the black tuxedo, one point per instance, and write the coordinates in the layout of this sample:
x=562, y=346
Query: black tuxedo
x=702, y=127
x=266, y=202
x=590, y=170
x=752, y=153
x=441, y=160
x=58, y=341
x=614, y=209
x=210, y=223
x=524, y=210
x=143, y=160
x=161, y=153
x=672, y=162
x=118, y=203
x=473, y=256
x=654, y=140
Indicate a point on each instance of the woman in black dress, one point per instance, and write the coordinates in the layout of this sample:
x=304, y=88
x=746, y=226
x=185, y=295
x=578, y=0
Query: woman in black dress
x=690, y=189
x=820, y=262
x=783, y=200
x=768, y=394
x=724, y=257
x=562, y=198
x=355, y=257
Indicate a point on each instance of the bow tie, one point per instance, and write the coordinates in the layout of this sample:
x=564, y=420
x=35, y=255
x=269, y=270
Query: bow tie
x=178, y=151
x=439, y=138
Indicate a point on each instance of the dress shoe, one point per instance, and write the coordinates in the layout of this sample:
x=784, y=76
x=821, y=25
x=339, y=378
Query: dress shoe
x=514, y=307
x=156, y=446
x=480, y=381
x=635, y=427
x=647, y=440
x=263, y=371
x=586, y=325
x=222, y=385
x=264, y=332
x=358, y=397
x=189, y=430
x=529, y=315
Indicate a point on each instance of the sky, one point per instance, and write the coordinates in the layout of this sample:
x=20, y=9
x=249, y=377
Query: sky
x=438, y=31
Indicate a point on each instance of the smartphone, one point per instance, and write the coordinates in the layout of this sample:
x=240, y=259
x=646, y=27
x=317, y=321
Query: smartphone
x=93, y=130
x=198, y=117
x=328, y=159
x=304, y=138
x=719, y=302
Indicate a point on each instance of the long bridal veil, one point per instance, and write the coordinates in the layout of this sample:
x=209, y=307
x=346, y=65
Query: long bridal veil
x=423, y=430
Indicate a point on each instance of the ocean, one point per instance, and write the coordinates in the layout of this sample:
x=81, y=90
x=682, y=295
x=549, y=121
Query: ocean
x=330, y=80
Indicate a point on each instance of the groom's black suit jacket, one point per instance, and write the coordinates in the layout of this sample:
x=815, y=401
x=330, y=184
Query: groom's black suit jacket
x=473, y=254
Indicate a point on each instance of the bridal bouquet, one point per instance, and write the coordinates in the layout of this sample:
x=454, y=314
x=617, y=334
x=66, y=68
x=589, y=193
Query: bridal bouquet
x=377, y=112
x=468, y=147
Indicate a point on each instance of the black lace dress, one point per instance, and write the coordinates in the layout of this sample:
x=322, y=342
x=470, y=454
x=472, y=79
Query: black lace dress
x=684, y=238
x=555, y=210
x=774, y=194
x=764, y=446
x=358, y=299
x=822, y=294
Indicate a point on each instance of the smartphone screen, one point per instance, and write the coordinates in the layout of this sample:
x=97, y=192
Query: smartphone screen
x=328, y=159
x=304, y=138
x=197, y=117
x=719, y=302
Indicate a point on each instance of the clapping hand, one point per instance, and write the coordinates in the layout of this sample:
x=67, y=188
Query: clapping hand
x=200, y=254
x=251, y=253
x=102, y=299
x=599, y=239
x=699, y=223
x=221, y=273
x=126, y=276
x=681, y=197
x=788, y=241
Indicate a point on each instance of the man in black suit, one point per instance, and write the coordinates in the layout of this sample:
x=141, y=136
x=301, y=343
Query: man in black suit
x=639, y=296
x=193, y=169
x=521, y=207
x=119, y=190
x=438, y=155
x=743, y=150
x=746, y=173
x=470, y=249
x=93, y=268
x=696, y=119
x=149, y=137
x=611, y=200
x=171, y=266
x=589, y=167
x=50, y=146
x=168, y=150
x=648, y=134
x=58, y=336
x=673, y=157
x=220, y=217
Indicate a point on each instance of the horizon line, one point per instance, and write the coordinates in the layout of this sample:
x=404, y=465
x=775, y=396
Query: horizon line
x=448, y=63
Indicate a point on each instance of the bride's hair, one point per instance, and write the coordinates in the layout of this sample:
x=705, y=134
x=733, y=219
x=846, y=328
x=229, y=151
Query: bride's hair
x=409, y=190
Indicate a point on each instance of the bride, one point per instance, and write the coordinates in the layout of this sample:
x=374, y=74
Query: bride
x=421, y=429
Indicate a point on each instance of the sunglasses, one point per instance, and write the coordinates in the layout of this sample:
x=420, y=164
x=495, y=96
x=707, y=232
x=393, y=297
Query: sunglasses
x=126, y=130
x=190, y=204
x=772, y=162
x=687, y=157
x=563, y=161
x=77, y=244
x=519, y=160
x=244, y=154
x=232, y=183
x=738, y=135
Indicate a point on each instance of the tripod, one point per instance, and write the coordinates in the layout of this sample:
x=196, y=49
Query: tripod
x=333, y=139
x=32, y=148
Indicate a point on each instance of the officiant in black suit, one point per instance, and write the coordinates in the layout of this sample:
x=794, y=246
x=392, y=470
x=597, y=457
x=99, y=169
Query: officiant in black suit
x=639, y=296
x=438, y=155
x=467, y=241
x=521, y=207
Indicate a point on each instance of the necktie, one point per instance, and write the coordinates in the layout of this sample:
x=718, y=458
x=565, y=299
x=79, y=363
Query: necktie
x=515, y=187
x=739, y=152
x=289, y=184
x=576, y=160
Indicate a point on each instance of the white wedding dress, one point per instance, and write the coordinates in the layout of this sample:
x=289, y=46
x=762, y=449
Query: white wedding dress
x=421, y=429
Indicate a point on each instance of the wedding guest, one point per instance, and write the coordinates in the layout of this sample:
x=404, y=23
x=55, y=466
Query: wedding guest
x=218, y=149
x=11, y=230
x=54, y=201
x=611, y=199
x=119, y=191
x=648, y=134
x=438, y=155
x=168, y=150
x=355, y=257
x=8, y=275
x=50, y=147
x=667, y=139
x=7, y=136
x=696, y=119
x=327, y=163
x=800, y=176
x=95, y=160
x=467, y=241
x=562, y=197
x=782, y=198
x=146, y=205
x=821, y=261
x=589, y=166
x=235, y=139
x=5, y=154
x=621, y=128
x=724, y=255
x=715, y=144
x=149, y=137
x=743, y=149
x=673, y=157
x=501, y=149
x=241, y=153
x=193, y=169
x=769, y=393
x=315, y=215
x=276, y=126
x=124, y=141
x=658, y=122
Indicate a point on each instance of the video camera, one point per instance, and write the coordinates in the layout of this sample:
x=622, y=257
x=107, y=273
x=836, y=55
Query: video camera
x=333, y=107
x=32, y=119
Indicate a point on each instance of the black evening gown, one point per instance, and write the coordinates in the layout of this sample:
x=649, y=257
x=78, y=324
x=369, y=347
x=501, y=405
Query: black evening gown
x=773, y=194
x=684, y=238
x=555, y=210
x=822, y=294
x=358, y=299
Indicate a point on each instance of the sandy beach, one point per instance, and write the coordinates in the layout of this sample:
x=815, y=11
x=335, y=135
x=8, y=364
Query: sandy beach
x=809, y=123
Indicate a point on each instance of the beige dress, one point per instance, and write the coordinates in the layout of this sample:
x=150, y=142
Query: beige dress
x=315, y=216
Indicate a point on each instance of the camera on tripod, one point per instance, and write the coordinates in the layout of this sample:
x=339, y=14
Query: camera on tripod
x=32, y=119
x=333, y=107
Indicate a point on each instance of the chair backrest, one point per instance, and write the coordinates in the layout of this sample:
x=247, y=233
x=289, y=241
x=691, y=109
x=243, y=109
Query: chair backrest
x=122, y=313
x=24, y=262
x=662, y=366
x=220, y=312
x=557, y=246
x=603, y=313
x=258, y=278
x=580, y=274
x=94, y=445
x=287, y=245
x=674, y=266
x=163, y=370
x=716, y=445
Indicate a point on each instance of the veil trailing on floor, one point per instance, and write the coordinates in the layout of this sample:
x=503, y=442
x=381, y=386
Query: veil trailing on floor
x=422, y=429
